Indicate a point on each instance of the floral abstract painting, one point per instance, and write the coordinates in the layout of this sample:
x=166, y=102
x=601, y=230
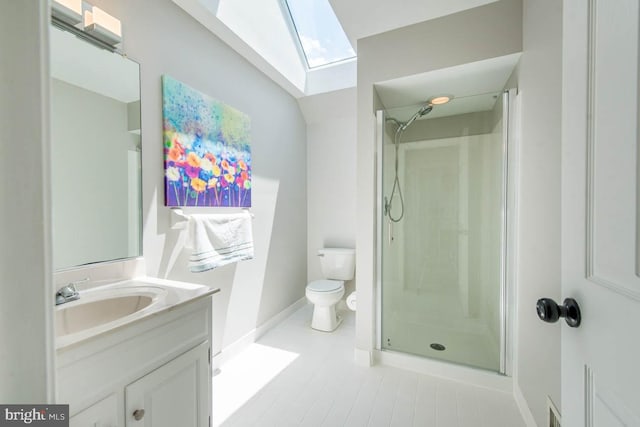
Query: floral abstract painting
x=207, y=151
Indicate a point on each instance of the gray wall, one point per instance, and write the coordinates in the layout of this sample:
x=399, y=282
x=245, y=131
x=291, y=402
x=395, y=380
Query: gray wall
x=26, y=308
x=540, y=79
x=331, y=174
x=165, y=40
x=450, y=127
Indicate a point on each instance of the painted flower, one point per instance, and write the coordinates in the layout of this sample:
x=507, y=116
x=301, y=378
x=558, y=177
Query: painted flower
x=213, y=182
x=192, y=172
x=247, y=185
x=230, y=178
x=206, y=165
x=231, y=170
x=193, y=159
x=242, y=165
x=198, y=185
x=216, y=170
x=211, y=158
x=177, y=143
x=173, y=174
x=174, y=153
x=225, y=164
x=244, y=175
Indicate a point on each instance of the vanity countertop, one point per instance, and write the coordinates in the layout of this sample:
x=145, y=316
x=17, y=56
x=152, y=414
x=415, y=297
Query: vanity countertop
x=108, y=307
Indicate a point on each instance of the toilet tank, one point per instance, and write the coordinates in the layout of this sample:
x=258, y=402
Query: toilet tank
x=337, y=263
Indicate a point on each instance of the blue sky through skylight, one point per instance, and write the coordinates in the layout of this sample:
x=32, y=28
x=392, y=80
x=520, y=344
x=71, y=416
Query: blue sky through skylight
x=322, y=38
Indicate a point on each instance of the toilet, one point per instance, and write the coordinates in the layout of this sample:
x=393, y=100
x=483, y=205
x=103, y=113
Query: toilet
x=338, y=265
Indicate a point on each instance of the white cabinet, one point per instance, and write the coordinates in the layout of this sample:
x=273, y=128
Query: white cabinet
x=101, y=414
x=176, y=394
x=159, y=364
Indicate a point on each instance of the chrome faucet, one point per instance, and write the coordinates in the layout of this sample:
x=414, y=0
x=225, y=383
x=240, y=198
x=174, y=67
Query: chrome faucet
x=69, y=292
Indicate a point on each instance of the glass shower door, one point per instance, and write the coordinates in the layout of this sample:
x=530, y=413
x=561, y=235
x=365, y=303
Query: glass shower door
x=442, y=262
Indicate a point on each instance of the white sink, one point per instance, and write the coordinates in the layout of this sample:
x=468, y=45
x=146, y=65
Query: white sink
x=105, y=308
x=108, y=307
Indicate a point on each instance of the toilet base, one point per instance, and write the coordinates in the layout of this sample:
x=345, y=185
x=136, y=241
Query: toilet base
x=325, y=318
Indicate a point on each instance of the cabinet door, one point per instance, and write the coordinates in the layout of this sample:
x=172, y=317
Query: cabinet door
x=176, y=394
x=101, y=414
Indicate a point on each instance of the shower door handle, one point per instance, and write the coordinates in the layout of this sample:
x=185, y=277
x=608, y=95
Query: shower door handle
x=390, y=232
x=550, y=312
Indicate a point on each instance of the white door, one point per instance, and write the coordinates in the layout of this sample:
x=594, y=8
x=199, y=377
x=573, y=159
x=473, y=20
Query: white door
x=174, y=395
x=601, y=358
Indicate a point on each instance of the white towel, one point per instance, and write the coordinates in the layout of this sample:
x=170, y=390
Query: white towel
x=219, y=239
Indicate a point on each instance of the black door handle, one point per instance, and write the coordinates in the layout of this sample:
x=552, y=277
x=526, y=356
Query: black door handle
x=550, y=312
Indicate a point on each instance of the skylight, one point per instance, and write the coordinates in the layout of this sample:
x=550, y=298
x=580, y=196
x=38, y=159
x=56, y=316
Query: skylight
x=321, y=36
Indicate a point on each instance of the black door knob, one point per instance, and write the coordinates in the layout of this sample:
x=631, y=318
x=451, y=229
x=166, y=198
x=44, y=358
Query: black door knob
x=550, y=312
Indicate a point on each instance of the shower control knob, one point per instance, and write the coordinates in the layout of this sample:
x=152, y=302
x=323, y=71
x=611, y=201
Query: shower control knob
x=550, y=312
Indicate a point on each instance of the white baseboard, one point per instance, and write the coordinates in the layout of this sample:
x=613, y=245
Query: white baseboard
x=527, y=416
x=235, y=348
x=363, y=357
x=449, y=371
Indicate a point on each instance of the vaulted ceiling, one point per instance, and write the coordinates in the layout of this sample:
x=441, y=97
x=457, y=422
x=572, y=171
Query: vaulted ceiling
x=261, y=32
x=363, y=18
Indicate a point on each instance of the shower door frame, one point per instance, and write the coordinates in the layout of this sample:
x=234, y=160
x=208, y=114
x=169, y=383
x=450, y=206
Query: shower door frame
x=508, y=226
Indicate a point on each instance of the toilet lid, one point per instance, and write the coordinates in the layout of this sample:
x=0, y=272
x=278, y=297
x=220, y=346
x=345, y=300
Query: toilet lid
x=325, y=285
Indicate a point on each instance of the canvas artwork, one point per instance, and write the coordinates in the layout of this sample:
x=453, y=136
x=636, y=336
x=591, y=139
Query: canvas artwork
x=207, y=149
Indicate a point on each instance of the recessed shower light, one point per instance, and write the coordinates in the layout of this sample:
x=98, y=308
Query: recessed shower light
x=439, y=100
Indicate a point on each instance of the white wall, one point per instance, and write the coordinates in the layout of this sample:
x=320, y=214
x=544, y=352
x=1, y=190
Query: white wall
x=165, y=40
x=538, y=275
x=331, y=174
x=26, y=306
x=481, y=33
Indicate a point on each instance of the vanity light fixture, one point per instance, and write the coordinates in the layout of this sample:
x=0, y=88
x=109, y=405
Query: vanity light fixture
x=69, y=11
x=87, y=22
x=439, y=100
x=102, y=26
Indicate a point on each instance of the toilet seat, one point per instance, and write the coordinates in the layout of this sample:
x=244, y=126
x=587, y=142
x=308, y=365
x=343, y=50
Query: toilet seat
x=325, y=285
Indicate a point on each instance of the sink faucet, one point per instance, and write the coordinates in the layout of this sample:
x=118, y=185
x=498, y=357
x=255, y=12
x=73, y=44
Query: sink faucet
x=69, y=292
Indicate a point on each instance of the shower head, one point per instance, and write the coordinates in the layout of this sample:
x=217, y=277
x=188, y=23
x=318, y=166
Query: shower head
x=423, y=111
x=426, y=109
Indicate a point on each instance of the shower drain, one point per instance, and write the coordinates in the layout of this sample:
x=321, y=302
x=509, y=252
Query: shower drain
x=437, y=346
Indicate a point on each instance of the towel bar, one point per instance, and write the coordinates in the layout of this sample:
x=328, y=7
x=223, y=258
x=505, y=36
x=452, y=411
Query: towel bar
x=179, y=219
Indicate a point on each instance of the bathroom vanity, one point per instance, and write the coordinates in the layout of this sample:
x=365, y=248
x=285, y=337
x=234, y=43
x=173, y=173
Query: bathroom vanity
x=147, y=365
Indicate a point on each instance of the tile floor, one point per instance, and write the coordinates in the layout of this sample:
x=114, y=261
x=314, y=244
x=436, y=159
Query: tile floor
x=295, y=376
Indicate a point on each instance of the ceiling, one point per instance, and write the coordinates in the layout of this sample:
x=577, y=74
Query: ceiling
x=250, y=27
x=473, y=87
x=363, y=18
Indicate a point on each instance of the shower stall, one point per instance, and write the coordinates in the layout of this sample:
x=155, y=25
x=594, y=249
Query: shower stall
x=442, y=229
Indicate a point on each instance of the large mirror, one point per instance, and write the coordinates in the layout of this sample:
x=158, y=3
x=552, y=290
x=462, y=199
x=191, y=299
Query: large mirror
x=96, y=163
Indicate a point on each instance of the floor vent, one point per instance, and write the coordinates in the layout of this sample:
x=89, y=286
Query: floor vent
x=554, y=414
